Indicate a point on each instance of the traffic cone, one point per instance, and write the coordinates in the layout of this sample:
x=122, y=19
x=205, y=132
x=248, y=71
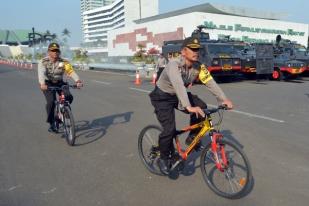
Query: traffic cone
x=137, y=79
x=154, y=77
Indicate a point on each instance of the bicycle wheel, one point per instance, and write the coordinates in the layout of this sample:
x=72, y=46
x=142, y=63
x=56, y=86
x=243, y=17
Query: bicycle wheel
x=57, y=120
x=148, y=148
x=234, y=178
x=69, y=126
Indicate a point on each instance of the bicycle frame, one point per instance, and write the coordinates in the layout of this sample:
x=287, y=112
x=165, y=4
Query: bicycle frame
x=206, y=126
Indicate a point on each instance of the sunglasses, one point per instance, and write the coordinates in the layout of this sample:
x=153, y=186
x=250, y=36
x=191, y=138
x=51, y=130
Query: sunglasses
x=55, y=50
x=194, y=49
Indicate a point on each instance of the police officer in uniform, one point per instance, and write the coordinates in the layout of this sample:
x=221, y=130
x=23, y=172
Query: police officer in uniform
x=170, y=93
x=51, y=70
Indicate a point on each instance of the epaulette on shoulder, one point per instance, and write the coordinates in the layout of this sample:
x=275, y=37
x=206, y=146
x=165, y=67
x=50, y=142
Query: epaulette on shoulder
x=65, y=61
x=45, y=59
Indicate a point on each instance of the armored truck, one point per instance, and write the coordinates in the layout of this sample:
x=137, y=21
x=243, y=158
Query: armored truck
x=218, y=55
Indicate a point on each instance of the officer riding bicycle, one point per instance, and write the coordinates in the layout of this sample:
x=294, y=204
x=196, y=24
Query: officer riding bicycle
x=170, y=93
x=51, y=70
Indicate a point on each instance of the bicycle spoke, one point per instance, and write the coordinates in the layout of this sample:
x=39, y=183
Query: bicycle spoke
x=231, y=178
x=148, y=148
x=149, y=139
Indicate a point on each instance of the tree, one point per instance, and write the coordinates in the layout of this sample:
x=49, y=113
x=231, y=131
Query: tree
x=153, y=51
x=80, y=56
x=65, y=34
x=140, y=54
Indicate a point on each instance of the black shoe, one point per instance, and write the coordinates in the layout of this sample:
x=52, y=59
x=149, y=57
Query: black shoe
x=52, y=129
x=164, y=166
x=198, y=147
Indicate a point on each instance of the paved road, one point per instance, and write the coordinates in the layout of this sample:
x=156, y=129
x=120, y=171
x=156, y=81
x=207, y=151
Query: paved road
x=38, y=168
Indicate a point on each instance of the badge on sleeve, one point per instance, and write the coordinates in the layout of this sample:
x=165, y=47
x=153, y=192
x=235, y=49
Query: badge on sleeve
x=68, y=68
x=204, y=74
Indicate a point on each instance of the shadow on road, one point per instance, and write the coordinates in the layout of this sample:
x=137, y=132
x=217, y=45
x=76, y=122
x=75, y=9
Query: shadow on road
x=91, y=131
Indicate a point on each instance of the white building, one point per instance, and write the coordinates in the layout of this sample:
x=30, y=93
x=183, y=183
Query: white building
x=97, y=22
x=240, y=23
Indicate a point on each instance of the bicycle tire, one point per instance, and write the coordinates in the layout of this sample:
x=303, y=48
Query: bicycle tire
x=69, y=126
x=236, y=184
x=56, y=118
x=148, y=148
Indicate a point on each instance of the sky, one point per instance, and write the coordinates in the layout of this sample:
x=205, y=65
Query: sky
x=56, y=15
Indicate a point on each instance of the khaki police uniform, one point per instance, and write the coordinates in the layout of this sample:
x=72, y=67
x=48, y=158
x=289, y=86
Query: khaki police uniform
x=51, y=74
x=170, y=93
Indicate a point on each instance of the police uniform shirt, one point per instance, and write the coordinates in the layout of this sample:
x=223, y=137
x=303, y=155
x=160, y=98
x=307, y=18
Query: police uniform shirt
x=50, y=71
x=176, y=77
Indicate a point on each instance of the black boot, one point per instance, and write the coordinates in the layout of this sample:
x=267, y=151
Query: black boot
x=164, y=166
x=52, y=128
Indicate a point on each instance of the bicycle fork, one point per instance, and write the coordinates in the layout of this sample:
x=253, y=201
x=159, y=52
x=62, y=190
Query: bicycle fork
x=221, y=163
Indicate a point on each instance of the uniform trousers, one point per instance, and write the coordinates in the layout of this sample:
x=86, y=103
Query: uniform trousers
x=165, y=105
x=50, y=97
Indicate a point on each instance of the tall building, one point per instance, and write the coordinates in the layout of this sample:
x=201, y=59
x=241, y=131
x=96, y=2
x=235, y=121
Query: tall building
x=87, y=5
x=97, y=22
x=90, y=4
x=107, y=2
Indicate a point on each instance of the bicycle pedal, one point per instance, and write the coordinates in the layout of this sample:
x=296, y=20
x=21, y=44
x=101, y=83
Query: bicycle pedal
x=176, y=164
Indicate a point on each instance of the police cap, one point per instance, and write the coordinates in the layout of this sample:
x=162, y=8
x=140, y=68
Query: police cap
x=192, y=43
x=53, y=47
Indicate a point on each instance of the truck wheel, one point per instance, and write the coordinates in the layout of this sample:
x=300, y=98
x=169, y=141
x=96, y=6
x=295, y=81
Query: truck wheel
x=277, y=75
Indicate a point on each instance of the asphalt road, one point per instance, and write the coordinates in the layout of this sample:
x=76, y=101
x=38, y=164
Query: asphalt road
x=38, y=168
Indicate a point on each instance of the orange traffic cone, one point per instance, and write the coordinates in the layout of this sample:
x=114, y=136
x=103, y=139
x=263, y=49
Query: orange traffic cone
x=154, y=77
x=137, y=79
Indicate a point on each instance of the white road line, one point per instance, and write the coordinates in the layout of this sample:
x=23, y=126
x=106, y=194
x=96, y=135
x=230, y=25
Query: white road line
x=100, y=82
x=106, y=72
x=252, y=115
x=235, y=111
x=140, y=90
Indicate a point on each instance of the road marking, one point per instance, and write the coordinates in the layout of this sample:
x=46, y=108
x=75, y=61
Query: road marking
x=106, y=72
x=235, y=111
x=252, y=115
x=140, y=90
x=100, y=82
x=14, y=187
x=49, y=191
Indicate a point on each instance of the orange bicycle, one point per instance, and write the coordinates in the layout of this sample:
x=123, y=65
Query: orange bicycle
x=224, y=165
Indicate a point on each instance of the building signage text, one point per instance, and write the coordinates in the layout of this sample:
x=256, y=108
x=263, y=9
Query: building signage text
x=241, y=28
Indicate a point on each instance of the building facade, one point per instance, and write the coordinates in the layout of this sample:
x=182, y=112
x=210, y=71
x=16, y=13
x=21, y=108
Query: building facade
x=87, y=5
x=239, y=25
x=120, y=13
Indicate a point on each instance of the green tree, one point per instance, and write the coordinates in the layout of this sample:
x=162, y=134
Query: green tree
x=80, y=56
x=140, y=55
x=66, y=33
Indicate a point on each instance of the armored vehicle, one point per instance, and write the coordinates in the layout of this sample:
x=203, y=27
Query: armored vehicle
x=290, y=59
x=218, y=55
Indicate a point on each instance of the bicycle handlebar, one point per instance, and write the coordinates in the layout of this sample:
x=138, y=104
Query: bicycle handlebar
x=214, y=110
x=54, y=88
